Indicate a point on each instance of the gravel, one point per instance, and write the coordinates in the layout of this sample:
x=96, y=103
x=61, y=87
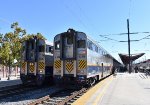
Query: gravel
x=26, y=98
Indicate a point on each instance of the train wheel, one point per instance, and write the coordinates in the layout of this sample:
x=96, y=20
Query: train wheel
x=91, y=82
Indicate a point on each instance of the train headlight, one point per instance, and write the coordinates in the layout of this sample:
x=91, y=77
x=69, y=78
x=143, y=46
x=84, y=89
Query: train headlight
x=82, y=71
x=58, y=71
x=41, y=71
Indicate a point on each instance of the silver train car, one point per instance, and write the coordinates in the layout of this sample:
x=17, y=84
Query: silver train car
x=79, y=59
x=36, y=61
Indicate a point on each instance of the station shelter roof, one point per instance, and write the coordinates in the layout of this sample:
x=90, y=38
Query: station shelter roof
x=133, y=57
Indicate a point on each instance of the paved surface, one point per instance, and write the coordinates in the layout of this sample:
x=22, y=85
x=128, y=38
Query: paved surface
x=124, y=89
x=127, y=89
x=10, y=83
x=14, y=79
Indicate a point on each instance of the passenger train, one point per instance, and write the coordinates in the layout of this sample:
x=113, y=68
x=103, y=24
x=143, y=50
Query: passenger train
x=79, y=59
x=36, y=61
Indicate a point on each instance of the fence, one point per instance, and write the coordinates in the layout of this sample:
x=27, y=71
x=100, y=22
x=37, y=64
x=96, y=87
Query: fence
x=4, y=72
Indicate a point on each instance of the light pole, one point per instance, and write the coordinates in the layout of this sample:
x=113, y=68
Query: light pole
x=129, y=46
x=9, y=66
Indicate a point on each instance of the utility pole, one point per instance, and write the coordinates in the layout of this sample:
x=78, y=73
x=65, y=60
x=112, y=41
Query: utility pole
x=129, y=45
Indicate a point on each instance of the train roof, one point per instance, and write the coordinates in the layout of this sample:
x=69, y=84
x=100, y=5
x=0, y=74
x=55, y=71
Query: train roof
x=95, y=42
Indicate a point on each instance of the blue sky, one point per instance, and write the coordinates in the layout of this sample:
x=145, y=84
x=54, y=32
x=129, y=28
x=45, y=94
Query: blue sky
x=94, y=17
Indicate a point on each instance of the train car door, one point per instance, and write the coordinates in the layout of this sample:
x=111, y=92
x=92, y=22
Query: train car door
x=68, y=51
x=23, y=59
x=30, y=56
x=41, y=56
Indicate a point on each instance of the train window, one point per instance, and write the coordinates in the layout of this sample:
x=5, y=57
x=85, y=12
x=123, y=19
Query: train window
x=103, y=53
x=32, y=45
x=90, y=45
x=100, y=51
x=96, y=48
x=49, y=50
x=93, y=46
x=81, y=43
x=57, y=45
x=70, y=39
x=41, y=48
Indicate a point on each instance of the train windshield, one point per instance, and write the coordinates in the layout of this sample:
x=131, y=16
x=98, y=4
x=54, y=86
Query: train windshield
x=30, y=49
x=68, y=45
x=41, y=48
x=57, y=45
x=49, y=49
x=32, y=44
x=70, y=39
x=81, y=44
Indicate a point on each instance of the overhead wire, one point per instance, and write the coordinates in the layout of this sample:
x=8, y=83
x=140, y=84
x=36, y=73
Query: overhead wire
x=146, y=37
x=108, y=38
x=120, y=34
x=84, y=14
x=74, y=14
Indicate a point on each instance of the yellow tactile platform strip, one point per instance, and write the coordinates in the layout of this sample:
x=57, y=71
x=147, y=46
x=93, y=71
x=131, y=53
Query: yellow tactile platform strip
x=102, y=85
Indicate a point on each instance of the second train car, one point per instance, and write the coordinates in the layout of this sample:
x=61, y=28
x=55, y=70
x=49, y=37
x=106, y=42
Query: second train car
x=79, y=59
x=37, y=61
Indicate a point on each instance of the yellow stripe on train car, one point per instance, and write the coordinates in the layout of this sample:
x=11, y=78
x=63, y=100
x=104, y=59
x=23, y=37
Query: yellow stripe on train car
x=23, y=65
x=41, y=65
x=57, y=64
x=82, y=64
x=31, y=67
x=69, y=65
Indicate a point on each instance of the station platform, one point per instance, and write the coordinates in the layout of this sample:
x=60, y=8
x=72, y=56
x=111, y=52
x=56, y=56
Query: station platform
x=123, y=89
x=13, y=81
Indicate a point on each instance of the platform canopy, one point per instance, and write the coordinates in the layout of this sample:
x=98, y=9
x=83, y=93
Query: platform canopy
x=133, y=57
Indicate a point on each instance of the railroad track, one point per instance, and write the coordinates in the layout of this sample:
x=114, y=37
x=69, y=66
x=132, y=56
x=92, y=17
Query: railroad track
x=13, y=90
x=62, y=97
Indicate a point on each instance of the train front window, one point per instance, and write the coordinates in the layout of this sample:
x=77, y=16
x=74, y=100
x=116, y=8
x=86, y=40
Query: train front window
x=32, y=45
x=57, y=45
x=81, y=43
x=41, y=48
x=70, y=39
x=49, y=50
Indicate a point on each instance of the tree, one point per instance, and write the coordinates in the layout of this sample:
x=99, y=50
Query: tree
x=11, y=45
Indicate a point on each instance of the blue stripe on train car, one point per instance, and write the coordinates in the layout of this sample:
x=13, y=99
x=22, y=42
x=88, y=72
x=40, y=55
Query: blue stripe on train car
x=92, y=70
